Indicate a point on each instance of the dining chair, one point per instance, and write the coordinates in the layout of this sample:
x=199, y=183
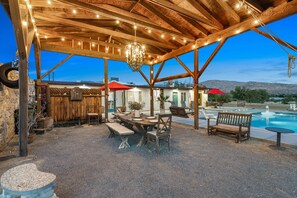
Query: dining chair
x=163, y=131
x=93, y=115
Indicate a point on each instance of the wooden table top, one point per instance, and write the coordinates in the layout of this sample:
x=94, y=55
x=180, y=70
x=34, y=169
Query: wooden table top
x=129, y=118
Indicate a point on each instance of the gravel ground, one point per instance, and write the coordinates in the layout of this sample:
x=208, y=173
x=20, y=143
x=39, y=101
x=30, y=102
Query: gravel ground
x=88, y=164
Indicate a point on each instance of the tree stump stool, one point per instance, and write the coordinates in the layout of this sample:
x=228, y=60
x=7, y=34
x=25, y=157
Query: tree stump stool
x=25, y=181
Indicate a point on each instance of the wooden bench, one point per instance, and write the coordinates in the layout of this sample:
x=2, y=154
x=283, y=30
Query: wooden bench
x=180, y=112
x=232, y=123
x=122, y=131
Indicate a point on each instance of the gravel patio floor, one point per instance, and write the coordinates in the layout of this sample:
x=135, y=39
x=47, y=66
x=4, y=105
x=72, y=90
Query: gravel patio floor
x=88, y=164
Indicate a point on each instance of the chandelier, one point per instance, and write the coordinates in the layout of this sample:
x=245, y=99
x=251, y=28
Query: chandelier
x=135, y=54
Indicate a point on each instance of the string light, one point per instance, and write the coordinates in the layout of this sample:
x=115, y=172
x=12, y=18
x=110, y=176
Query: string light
x=135, y=27
x=97, y=16
x=49, y=2
x=29, y=6
x=219, y=39
x=74, y=11
x=149, y=31
x=206, y=43
x=237, y=31
x=33, y=20
x=119, y=50
x=79, y=43
x=93, y=45
x=256, y=21
x=173, y=38
x=62, y=39
x=185, y=40
x=45, y=37
x=162, y=35
x=24, y=23
x=117, y=22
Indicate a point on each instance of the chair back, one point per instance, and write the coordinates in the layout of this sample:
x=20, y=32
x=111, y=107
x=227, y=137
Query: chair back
x=183, y=104
x=164, y=124
x=121, y=109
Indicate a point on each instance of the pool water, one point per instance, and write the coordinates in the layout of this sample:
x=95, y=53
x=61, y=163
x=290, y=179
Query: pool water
x=284, y=120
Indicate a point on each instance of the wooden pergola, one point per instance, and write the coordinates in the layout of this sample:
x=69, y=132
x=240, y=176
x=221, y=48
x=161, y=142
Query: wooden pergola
x=102, y=29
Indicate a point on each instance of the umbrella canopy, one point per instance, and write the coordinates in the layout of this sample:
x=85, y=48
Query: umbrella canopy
x=215, y=91
x=114, y=86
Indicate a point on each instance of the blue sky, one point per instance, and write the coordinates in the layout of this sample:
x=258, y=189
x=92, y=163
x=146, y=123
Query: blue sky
x=245, y=57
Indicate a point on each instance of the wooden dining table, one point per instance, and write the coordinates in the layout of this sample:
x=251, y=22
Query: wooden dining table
x=143, y=124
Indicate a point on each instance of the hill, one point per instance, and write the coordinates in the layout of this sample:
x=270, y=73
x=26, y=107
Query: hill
x=272, y=88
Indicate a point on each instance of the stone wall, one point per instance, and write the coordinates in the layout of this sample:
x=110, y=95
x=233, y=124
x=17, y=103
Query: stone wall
x=9, y=102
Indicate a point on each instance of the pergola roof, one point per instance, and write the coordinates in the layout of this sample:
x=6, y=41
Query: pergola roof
x=102, y=28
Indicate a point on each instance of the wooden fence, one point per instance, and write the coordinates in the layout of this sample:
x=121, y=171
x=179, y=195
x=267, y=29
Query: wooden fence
x=63, y=109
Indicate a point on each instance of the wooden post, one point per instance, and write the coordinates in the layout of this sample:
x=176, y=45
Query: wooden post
x=196, y=91
x=48, y=101
x=38, y=74
x=152, y=90
x=106, y=88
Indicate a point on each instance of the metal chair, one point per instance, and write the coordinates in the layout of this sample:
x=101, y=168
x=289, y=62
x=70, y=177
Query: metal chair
x=163, y=131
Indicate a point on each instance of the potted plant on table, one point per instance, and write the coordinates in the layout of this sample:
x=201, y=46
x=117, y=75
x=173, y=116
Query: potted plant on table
x=162, y=99
x=136, y=107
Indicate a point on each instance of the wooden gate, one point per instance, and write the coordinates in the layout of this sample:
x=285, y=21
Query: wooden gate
x=64, y=109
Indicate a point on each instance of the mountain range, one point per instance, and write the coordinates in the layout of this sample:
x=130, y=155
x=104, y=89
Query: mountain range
x=272, y=88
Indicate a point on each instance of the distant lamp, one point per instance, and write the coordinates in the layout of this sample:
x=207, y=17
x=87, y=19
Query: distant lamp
x=135, y=54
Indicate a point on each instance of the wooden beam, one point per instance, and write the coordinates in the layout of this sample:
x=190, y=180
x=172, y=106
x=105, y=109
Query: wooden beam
x=106, y=88
x=100, y=30
x=23, y=76
x=214, y=53
x=143, y=75
x=231, y=15
x=280, y=41
x=254, y=5
x=159, y=71
x=81, y=52
x=56, y=66
x=268, y=16
x=120, y=14
x=158, y=13
x=184, y=66
x=185, y=12
x=173, y=77
x=196, y=90
x=204, y=12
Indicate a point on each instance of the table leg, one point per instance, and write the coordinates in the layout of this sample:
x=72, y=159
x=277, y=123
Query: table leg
x=278, y=139
x=141, y=129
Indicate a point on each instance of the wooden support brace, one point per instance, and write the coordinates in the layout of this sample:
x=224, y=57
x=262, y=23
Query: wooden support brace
x=56, y=66
x=159, y=71
x=184, y=66
x=143, y=75
x=173, y=77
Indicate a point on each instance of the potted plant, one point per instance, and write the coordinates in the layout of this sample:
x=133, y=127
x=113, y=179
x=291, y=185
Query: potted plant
x=162, y=101
x=136, y=106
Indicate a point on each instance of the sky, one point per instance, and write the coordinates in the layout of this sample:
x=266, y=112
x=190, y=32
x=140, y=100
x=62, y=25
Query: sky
x=245, y=57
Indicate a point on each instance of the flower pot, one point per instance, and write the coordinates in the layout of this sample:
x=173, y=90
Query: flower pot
x=137, y=113
x=162, y=111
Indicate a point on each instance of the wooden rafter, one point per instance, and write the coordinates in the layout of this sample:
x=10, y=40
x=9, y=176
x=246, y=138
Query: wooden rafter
x=164, y=18
x=268, y=16
x=232, y=16
x=185, y=13
x=204, y=12
x=120, y=14
x=100, y=30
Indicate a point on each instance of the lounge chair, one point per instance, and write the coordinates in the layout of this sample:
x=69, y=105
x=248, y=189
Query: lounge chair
x=207, y=115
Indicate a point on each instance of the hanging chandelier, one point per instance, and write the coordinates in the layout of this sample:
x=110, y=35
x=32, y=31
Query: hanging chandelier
x=135, y=54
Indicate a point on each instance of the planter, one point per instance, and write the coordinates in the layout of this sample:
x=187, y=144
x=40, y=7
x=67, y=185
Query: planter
x=162, y=111
x=137, y=113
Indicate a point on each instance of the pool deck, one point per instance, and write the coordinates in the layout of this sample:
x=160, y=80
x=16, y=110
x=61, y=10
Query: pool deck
x=259, y=133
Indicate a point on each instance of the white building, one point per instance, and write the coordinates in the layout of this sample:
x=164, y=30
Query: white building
x=141, y=93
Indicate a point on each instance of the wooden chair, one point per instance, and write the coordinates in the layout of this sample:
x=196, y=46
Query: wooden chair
x=163, y=131
x=93, y=116
x=121, y=109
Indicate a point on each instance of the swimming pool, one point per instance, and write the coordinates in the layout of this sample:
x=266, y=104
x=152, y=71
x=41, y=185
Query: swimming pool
x=279, y=119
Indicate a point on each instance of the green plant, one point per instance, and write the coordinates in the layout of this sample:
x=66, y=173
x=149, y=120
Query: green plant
x=162, y=99
x=135, y=105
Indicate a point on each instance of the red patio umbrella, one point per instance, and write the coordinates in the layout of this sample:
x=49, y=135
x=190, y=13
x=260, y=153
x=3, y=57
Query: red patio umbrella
x=216, y=91
x=115, y=86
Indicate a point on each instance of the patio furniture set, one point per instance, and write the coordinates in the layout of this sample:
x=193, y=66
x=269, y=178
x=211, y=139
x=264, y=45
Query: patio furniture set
x=153, y=129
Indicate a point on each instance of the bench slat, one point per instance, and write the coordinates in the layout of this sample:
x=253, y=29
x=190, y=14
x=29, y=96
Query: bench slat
x=121, y=130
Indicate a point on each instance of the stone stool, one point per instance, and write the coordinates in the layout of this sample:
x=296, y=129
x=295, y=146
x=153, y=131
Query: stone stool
x=25, y=181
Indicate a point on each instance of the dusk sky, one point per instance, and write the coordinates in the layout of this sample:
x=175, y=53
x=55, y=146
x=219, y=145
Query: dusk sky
x=245, y=57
